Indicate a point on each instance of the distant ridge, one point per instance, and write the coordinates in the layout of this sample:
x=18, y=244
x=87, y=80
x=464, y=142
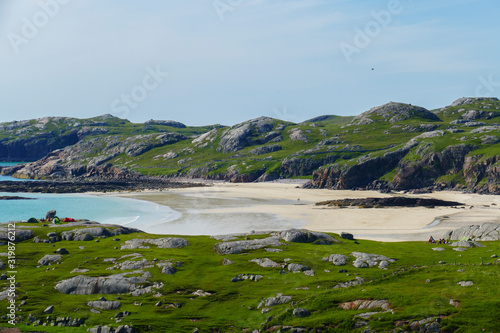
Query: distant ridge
x=395, y=146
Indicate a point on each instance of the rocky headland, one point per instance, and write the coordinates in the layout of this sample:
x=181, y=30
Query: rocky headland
x=83, y=186
x=395, y=146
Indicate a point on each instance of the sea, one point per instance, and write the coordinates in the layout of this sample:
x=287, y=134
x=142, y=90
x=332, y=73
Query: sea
x=185, y=217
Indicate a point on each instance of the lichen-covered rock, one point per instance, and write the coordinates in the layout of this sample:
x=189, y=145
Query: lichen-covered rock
x=265, y=149
x=170, y=123
x=87, y=285
x=366, y=260
x=235, y=247
x=337, y=259
x=365, y=305
x=50, y=259
x=161, y=243
x=304, y=236
x=104, y=305
x=89, y=233
x=297, y=268
x=465, y=283
x=301, y=313
x=484, y=232
x=245, y=134
x=265, y=262
x=272, y=301
x=394, y=112
x=20, y=235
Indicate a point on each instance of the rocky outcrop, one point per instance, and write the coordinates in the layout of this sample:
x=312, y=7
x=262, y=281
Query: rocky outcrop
x=471, y=100
x=161, y=243
x=398, y=201
x=252, y=132
x=170, y=123
x=91, y=185
x=358, y=175
x=366, y=260
x=305, y=236
x=484, y=232
x=265, y=149
x=273, y=301
x=303, y=164
x=50, y=259
x=365, y=305
x=104, y=305
x=86, y=234
x=86, y=285
x=301, y=313
x=88, y=158
x=482, y=174
x=32, y=148
x=337, y=259
x=394, y=112
x=265, y=262
x=19, y=234
x=414, y=173
x=425, y=170
x=235, y=247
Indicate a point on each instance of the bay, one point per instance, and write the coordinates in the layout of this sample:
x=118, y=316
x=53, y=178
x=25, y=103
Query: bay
x=103, y=209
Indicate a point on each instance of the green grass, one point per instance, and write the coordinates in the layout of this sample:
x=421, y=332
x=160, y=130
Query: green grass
x=233, y=306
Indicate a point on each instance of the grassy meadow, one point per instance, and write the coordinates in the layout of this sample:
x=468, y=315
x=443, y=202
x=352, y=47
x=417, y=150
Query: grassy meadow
x=418, y=285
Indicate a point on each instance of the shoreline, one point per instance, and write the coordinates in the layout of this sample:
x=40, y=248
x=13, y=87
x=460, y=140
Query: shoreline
x=297, y=205
x=217, y=207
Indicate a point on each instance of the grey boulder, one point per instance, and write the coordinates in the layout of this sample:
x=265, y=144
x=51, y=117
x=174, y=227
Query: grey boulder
x=50, y=214
x=104, y=305
x=49, y=259
x=265, y=262
x=366, y=260
x=235, y=247
x=86, y=285
x=346, y=235
x=485, y=232
x=306, y=236
x=20, y=234
x=337, y=259
x=301, y=313
x=161, y=243
x=272, y=301
x=297, y=267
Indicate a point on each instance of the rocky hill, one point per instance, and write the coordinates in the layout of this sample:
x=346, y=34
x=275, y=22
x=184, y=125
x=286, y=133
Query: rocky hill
x=393, y=146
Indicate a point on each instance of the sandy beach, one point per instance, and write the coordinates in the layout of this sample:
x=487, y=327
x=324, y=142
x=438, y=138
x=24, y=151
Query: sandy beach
x=295, y=207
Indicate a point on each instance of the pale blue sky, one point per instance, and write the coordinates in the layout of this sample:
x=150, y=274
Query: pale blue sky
x=232, y=60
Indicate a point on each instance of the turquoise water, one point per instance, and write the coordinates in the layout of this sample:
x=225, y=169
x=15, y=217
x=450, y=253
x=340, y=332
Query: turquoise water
x=189, y=216
x=103, y=209
x=10, y=163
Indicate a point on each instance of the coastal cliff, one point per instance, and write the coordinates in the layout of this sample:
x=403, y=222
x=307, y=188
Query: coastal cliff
x=395, y=146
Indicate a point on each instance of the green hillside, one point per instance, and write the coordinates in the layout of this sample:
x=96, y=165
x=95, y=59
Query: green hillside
x=402, y=146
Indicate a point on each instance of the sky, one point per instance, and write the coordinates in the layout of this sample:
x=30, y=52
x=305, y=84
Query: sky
x=204, y=62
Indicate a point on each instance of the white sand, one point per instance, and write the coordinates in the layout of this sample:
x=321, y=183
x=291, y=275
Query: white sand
x=383, y=224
